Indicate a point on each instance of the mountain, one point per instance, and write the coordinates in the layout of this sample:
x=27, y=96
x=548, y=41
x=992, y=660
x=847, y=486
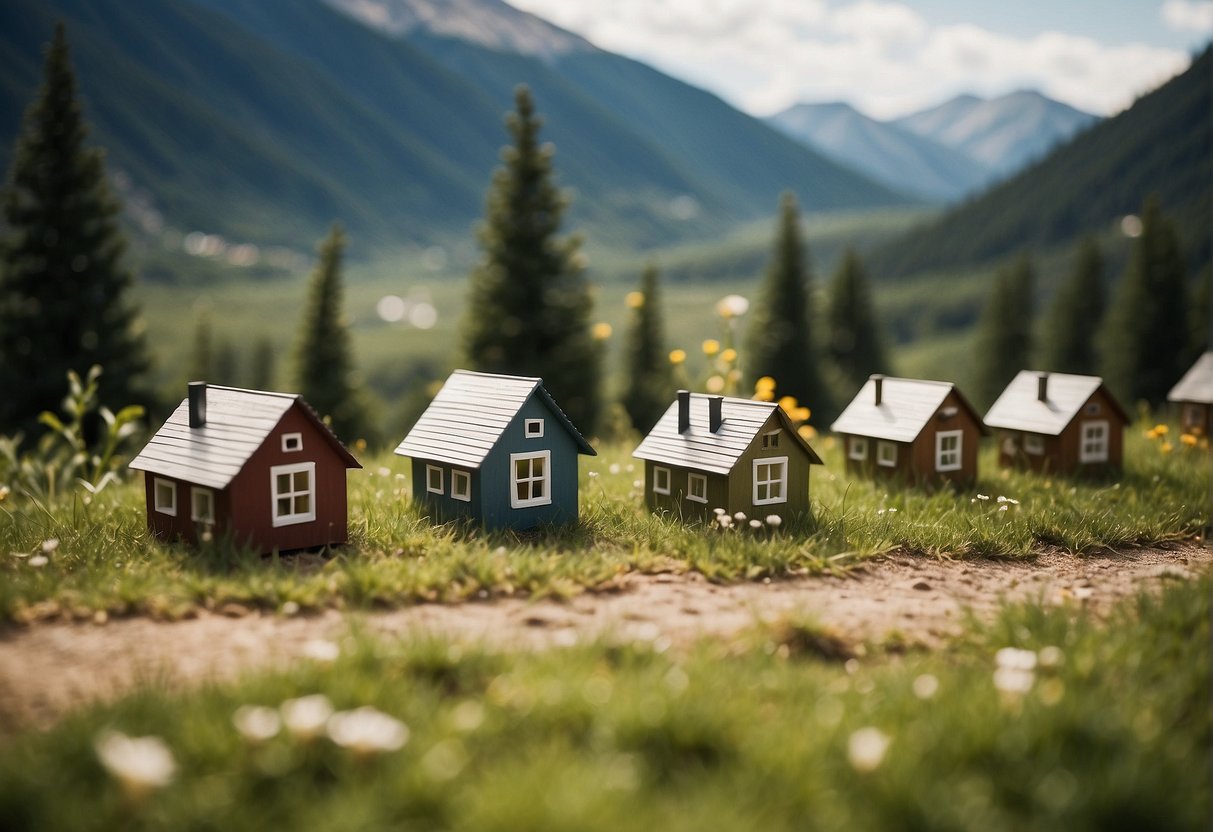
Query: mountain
x=1163, y=144
x=883, y=151
x=264, y=120
x=1004, y=133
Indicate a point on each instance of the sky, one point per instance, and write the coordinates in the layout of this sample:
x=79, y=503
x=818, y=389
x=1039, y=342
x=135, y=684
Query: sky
x=892, y=58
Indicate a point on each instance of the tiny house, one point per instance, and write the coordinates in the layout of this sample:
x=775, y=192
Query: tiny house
x=708, y=452
x=1193, y=396
x=1059, y=423
x=910, y=430
x=259, y=467
x=495, y=449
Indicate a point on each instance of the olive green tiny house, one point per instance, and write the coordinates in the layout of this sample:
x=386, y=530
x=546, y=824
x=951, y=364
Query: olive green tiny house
x=497, y=450
x=1193, y=396
x=710, y=452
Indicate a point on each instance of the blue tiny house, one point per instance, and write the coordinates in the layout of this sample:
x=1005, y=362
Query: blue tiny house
x=495, y=449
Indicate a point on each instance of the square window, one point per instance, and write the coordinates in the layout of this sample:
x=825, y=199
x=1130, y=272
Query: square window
x=433, y=479
x=661, y=480
x=531, y=479
x=461, y=486
x=292, y=442
x=202, y=505
x=886, y=453
x=534, y=428
x=770, y=481
x=164, y=494
x=1033, y=443
x=857, y=449
x=1094, y=447
x=771, y=440
x=697, y=488
x=1093, y=409
x=292, y=493
x=948, y=450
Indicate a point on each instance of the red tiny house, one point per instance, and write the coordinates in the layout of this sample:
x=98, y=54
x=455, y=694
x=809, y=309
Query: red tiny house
x=260, y=468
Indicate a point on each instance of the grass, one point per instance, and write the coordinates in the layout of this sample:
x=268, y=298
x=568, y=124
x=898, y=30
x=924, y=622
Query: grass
x=1111, y=732
x=106, y=561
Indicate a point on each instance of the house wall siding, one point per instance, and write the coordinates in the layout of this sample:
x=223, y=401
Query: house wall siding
x=675, y=503
x=741, y=483
x=443, y=508
x=181, y=527
x=1195, y=417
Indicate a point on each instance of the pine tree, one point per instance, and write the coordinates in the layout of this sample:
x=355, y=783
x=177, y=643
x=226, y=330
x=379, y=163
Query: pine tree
x=202, y=364
x=261, y=365
x=1200, y=313
x=324, y=361
x=648, y=388
x=529, y=305
x=1004, y=336
x=226, y=369
x=856, y=344
x=779, y=339
x=64, y=291
x=1145, y=334
x=1075, y=314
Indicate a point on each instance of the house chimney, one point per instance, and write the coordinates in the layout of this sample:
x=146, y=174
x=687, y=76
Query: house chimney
x=1042, y=387
x=715, y=417
x=684, y=411
x=197, y=404
x=878, y=383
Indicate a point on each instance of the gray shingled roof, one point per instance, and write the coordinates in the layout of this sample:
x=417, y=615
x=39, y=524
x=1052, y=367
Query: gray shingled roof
x=907, y=404
x=1197, y=383
x=703, y=450
x=237, y=423
x=1019, y=409
x=469, y=414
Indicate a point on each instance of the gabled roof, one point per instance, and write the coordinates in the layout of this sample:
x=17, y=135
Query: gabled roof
x=1197, y=383
x=237, y=423
x=1018, y=408
x=717, y=452
x=907, y=404
x=471, y=412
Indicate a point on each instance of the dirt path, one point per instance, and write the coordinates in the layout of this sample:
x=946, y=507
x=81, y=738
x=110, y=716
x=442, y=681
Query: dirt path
x=48, y=668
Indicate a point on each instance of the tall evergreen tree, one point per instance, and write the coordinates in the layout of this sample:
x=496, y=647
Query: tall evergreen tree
x=1145, y=334
x=648, y=388
x=779, y=338
x=261, y=365
x=856, y=344
x=324, y=361
x=64, y=291
x=226, y=370
x=529, y=306
x=202, y=359
x=1074, y=316
x=1004, y=333
x=1200, y=315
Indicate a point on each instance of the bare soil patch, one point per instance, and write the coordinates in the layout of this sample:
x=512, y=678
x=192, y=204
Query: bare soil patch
x=47, y=669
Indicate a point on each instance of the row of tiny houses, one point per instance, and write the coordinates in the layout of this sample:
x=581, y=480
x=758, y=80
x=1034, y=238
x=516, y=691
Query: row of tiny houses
x=264, y=469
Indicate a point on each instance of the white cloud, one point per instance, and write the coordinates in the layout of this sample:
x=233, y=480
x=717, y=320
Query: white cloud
x=1189, y=15
x=880, y=55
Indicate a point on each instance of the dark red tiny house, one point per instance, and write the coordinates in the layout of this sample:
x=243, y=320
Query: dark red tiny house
x=259, y=467
x=1192, y=397
x=1059, y=423
x=912, y=431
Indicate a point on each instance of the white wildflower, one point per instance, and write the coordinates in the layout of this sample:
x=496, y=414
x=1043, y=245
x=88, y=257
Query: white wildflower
x=724, y=520
x=367, y=731
x=866, y=749
x=592, y=474
x=739, y=517
x=49, y=546
x=306, y=716
x=1015, y=658
x=140, y=764
x=755, y=524
x=385, y=472
x=892, y=511
x=320, y=650
x=637, y=483
x=1051, y=656
x=290, y=608
x=925, y=686
x=1002, y=499
x=879, y=511
x=38, y=561
x=1002, y=508
x=1016, y=670
x=983, y=496
x=719, y=511
x=614, y=468
x=773, y=520
x=257, y=724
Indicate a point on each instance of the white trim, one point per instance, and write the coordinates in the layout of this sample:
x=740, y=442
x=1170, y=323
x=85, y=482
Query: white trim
x=165, y=507
x=292, y=442
x=544, y=479
x=461, y=493
x=702, y=479
x=781, y=482
x=533, y=428
x=770, y=439
x=1093, y=442
x=885, y=445
x=857, y=448
x=941, y=452
x=430, y=488
x=208, y=496
x=658, y=471
x=293, y=494
x=1034, y=444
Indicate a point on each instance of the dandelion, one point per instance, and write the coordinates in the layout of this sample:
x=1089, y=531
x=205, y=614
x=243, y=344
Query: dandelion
x=38, y=561
x=1188, y=439
x=739, y=517
x=773, y=520
x=49, y=546
x=319, y=650
x=306, y=716
x=711, y=347
x=601, y=331
x=367, y=731
x=1161, y=430
x=256, y=724
x=678, y=356
x=729, y=355
x=139, y=764
x=634, y=300
x=866, y=749
x=755, y=524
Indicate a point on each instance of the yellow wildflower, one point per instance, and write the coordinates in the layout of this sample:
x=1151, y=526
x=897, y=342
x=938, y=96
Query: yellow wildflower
x=678, y=356
x=1166, y=447
x=1161, y=430
x=734, y=375
x=634, y=300
x=807, y=432
x=1188, y=439
x=601, y=331
x=729, y=355
x=764, y=383
x=800, y=414
x=715, y=384
x=711, y=347
x=765, y=396
x=788, y=403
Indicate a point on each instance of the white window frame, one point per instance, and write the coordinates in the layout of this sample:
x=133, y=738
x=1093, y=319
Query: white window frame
x=533, y=428
x=543, y=499
x=658, y=473
x=857, y=448
x=888, y=460
x=782, y=462
x=702, y=480
x=940, y=451
x=430, y=471
x=1034, y=444
x=169, y=508
x=293, y=518
x=207, y=496
x=770, y=439
x=1093, y=449
x=292, y=442
x=459, y=492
